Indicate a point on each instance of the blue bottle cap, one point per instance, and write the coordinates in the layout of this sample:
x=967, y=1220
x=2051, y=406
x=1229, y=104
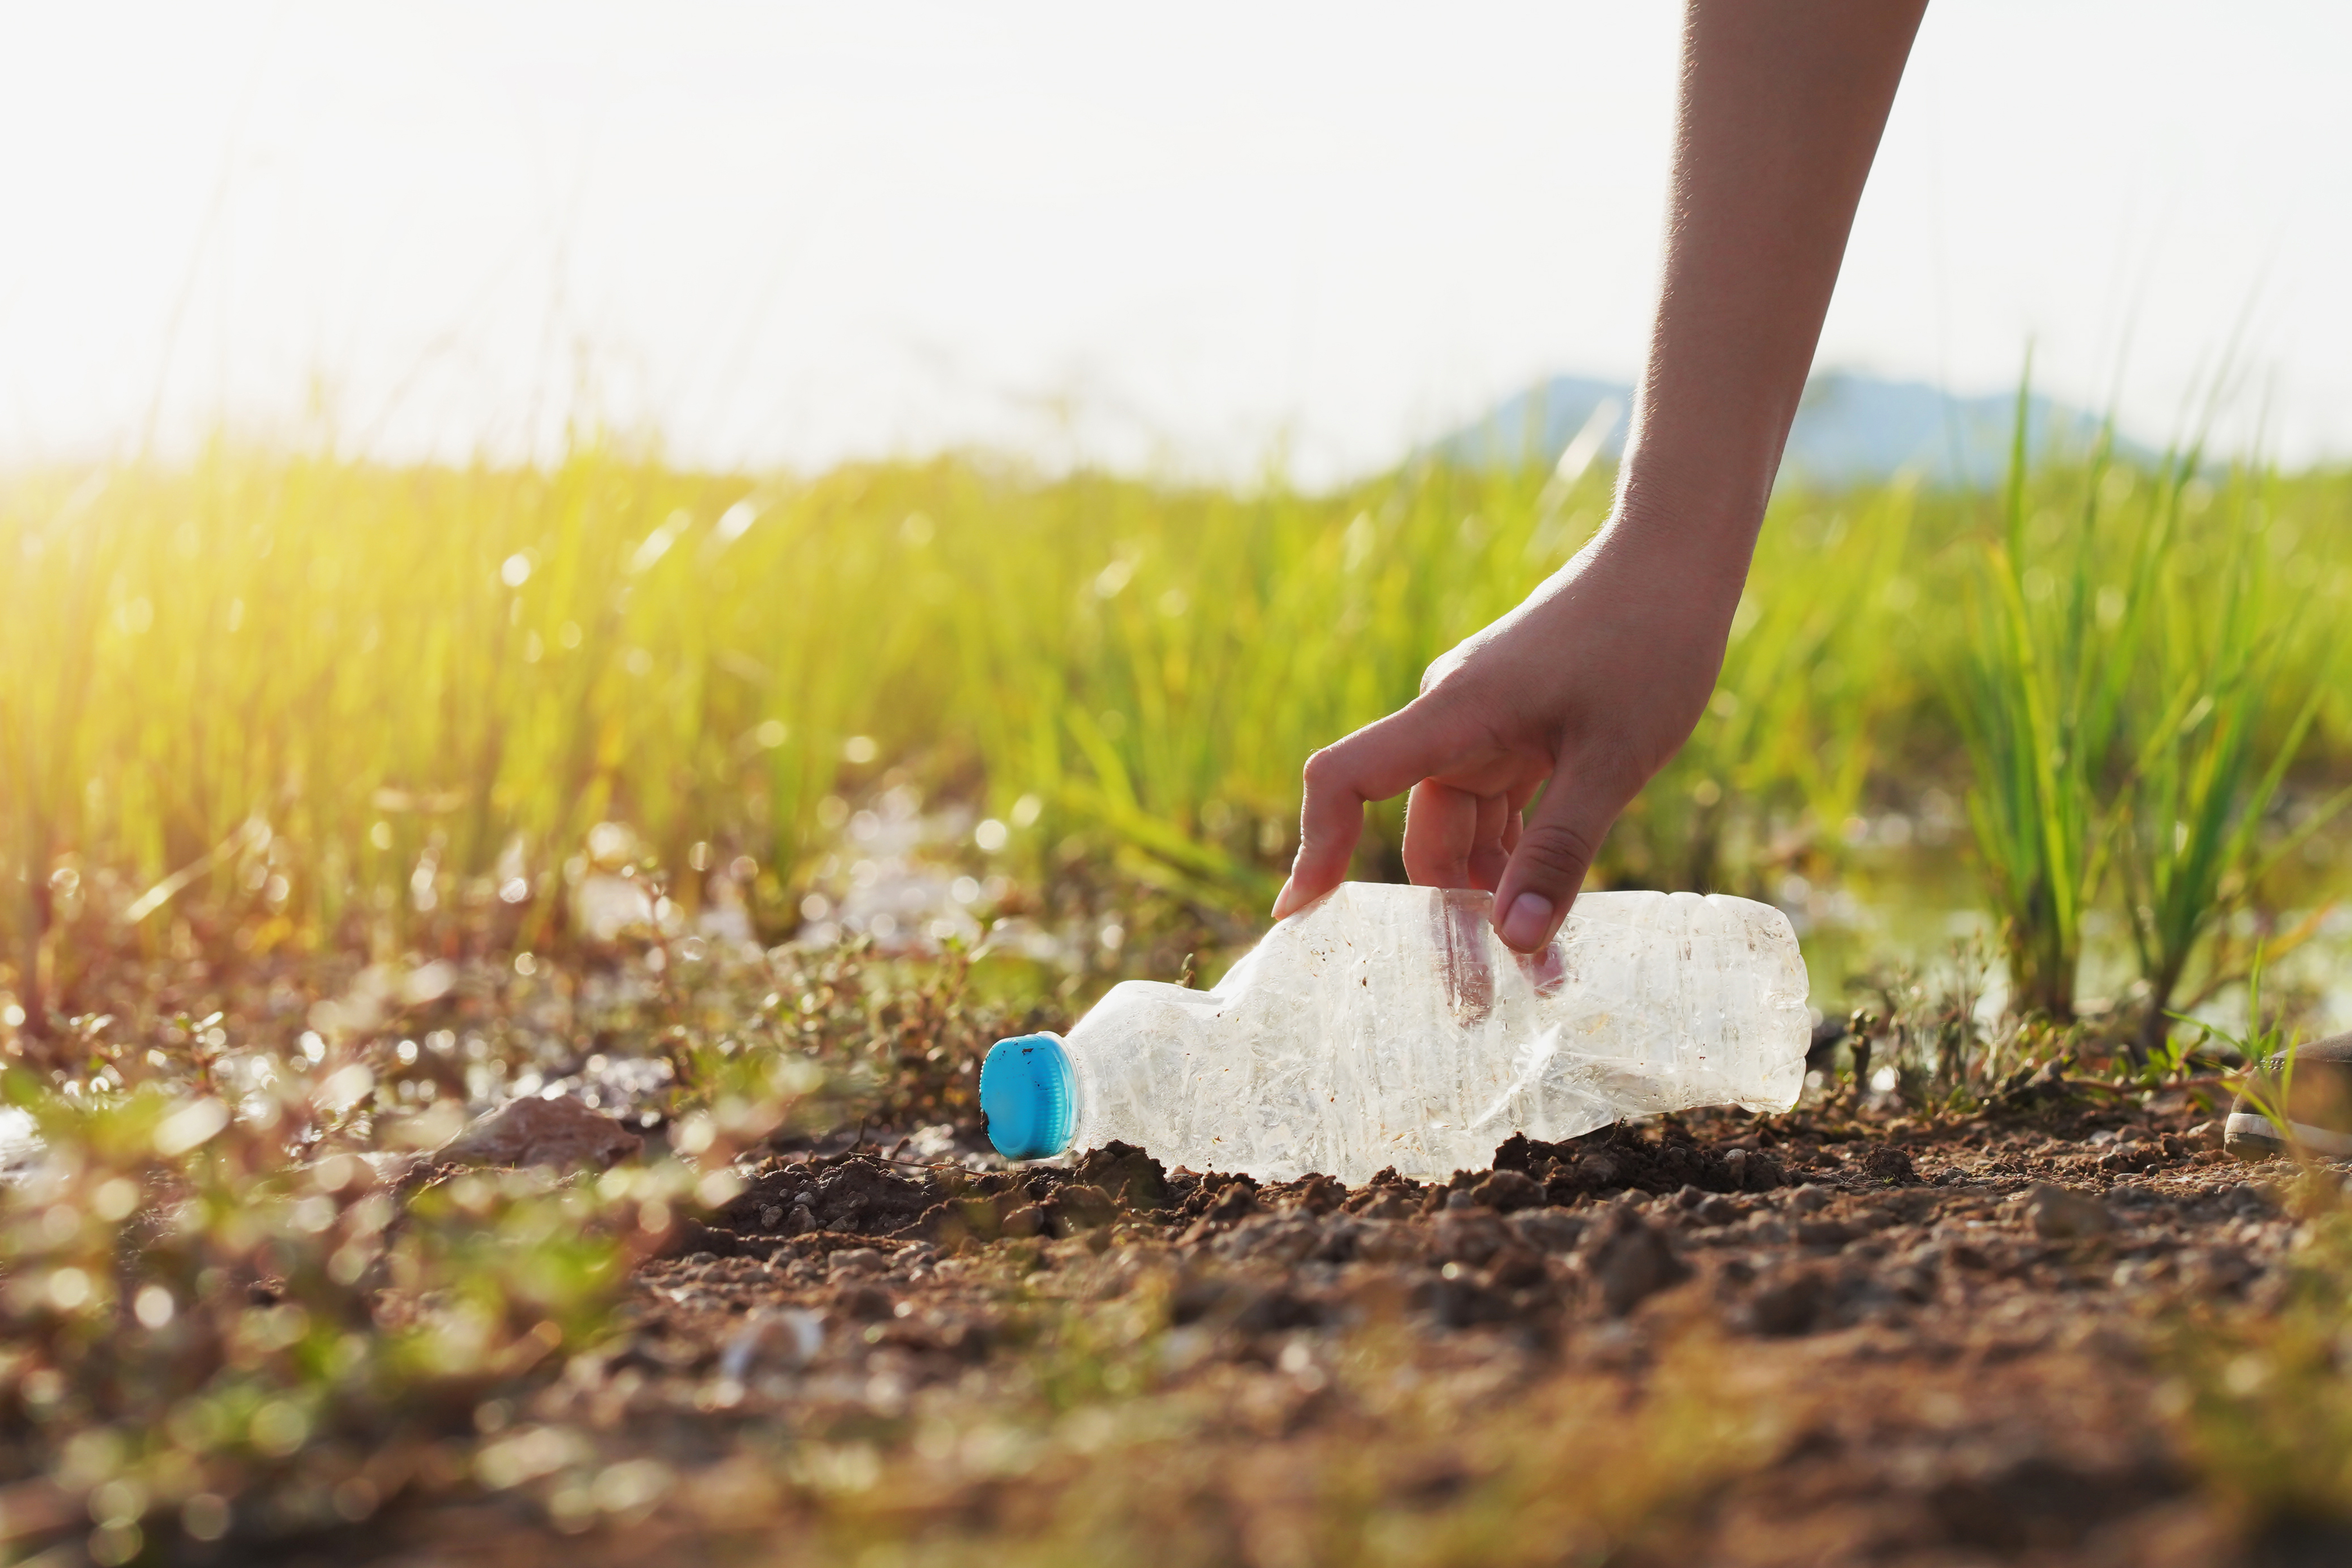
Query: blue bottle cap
x=1030, y=1096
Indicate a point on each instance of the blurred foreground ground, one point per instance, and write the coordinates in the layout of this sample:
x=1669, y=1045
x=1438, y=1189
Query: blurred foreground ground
x=1786, y=1341
x=2058, y=1326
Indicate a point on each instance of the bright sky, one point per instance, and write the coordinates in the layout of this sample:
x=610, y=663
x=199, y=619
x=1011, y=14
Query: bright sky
x=1203, y=237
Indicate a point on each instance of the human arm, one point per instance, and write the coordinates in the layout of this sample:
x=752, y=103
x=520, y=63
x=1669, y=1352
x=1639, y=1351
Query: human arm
x=1596, y=680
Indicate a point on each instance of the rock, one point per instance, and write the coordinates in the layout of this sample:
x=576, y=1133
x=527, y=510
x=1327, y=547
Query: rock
x=1960, y=1255
x=561, y=1133
x=2215, y=1270
x=2061, y=1214
x=1912, y=1281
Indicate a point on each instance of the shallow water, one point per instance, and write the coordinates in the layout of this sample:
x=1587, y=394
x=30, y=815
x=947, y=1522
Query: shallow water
x=1921, y=909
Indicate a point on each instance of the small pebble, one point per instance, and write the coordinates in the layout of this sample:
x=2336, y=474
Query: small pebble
x=2061, y=1214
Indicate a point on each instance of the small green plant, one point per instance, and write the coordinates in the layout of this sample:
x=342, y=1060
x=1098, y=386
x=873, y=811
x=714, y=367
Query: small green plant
x=2268, y=1051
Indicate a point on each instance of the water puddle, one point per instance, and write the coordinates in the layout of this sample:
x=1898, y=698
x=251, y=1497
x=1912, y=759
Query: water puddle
x=1918, y=910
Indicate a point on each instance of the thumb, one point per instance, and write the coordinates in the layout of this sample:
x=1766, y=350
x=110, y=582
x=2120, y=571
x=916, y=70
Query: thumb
x=1554, y=851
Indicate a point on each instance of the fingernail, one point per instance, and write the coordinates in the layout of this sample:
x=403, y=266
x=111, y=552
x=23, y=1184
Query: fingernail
x=1529, y=919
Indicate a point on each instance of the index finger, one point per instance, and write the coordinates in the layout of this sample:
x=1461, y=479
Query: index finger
x=1382, y=759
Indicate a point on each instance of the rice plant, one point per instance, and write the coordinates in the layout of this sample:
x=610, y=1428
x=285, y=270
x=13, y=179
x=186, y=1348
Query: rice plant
x=2201, y=789
x=2041, y=696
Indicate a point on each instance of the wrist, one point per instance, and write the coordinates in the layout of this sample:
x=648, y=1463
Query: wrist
x=1701, y=544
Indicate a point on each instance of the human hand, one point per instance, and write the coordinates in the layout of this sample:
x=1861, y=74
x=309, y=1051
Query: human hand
x=1590, y=685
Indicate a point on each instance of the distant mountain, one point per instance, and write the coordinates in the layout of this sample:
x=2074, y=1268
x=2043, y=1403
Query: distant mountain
x=1850, y=428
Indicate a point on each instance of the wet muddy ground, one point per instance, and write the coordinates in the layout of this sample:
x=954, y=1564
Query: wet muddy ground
x=1799, y=1339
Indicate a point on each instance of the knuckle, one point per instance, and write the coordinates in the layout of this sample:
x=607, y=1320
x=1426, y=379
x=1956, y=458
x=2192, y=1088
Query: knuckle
x=1445, y=675
x=1424, y=867
x=1448, y=666
x=1322, y=770
x=1555, y=851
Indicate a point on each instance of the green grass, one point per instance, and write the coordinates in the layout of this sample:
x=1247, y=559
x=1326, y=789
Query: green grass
x=2041, y=693
x=270, y=701
x=2132, y=689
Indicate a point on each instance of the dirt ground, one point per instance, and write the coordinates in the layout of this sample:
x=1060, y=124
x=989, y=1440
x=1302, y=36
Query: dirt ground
x=1806, y=1339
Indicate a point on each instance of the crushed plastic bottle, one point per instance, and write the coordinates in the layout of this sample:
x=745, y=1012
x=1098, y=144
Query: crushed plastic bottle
x=1388, y=1025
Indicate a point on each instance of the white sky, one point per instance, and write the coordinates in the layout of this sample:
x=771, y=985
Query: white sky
x=1198, y=236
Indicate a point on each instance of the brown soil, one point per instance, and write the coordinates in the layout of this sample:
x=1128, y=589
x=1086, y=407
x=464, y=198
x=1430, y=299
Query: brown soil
x=1939, y=1359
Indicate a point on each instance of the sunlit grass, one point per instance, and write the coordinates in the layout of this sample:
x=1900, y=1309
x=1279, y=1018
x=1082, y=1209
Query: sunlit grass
x=319, y=703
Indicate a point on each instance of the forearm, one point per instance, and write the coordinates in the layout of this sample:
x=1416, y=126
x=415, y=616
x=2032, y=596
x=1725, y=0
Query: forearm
x=1782, y=104
x=1587, y=688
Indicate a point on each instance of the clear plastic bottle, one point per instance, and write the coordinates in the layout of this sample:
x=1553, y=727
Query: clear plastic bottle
x=1387, y=1025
